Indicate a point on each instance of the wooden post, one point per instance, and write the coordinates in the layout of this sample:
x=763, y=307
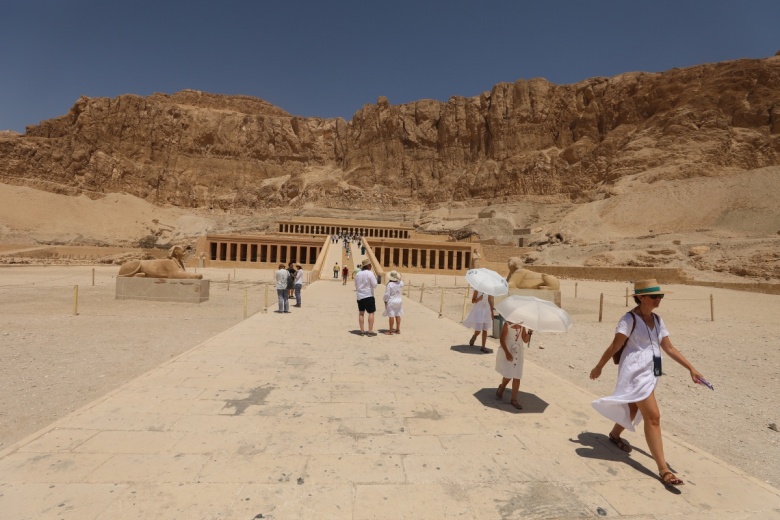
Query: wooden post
x=75, y=300
x=441, y=304
x=228, y=286
x=234, y=273
x=265, y=309
x=712, y=308
x=601, y=306
x=465, y=300
x=422, y=291
x=626, y=296
x=246, y=297
x=434, y=280
x=93, y=276
x=575, y=289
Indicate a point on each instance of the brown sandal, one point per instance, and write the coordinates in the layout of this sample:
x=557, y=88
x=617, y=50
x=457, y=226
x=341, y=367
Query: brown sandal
x=516, y=404
x=620, y=443
x=472, y=340
x=500, y=391
x=670, y=479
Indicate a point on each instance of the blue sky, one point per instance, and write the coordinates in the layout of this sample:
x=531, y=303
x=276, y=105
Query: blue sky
x=327, y=59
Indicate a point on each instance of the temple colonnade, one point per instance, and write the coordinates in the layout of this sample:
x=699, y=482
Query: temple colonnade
x=220, y=250
x=303, y=227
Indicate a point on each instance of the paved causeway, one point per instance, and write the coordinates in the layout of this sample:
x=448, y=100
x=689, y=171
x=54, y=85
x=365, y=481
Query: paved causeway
x=291, y=416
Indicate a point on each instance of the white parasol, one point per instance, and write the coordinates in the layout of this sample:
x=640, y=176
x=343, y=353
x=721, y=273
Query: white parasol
x=535, y=314
x=487, y=281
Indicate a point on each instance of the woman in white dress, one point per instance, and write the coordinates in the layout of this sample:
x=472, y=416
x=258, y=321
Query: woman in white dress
x=394, y=302
x=644, y=335
x=509, y=359
x=480, y=318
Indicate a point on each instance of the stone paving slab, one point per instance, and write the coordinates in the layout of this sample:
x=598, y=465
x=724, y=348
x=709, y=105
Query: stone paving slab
x=296, y=416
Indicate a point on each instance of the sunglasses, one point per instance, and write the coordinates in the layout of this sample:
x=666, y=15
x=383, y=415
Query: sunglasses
x=656, y=296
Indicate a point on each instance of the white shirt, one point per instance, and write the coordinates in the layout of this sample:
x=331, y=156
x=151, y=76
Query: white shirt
x=365, y=283
x=299, y=277
x=281, y=278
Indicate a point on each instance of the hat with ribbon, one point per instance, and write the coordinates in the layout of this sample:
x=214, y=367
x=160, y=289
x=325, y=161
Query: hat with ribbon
x=366, y=262
x=394, y=276
x=645, y=287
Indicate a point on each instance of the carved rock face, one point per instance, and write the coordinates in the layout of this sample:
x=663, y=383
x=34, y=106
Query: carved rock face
x=195, y=149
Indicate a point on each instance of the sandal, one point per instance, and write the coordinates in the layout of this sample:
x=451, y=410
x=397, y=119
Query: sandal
x=670, y=479
x=485, y=350
x=472, y=340
x=500, y=391
x=397, y=331
x=620, y=443
x=517, y=405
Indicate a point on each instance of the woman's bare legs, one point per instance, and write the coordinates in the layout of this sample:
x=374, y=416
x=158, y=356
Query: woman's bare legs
x=501, y=387
x=397, y=324
x=617, y=429
x=515, y=390
x=484, y=338
x=652, y=418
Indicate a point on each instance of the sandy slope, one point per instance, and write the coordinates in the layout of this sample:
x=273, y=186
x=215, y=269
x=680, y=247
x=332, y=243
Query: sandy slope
x=737, y=218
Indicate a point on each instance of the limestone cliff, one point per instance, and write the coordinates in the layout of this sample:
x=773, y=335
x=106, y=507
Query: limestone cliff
x=194, y=149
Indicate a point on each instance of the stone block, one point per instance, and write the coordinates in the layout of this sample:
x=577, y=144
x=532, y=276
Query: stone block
x=162, y=289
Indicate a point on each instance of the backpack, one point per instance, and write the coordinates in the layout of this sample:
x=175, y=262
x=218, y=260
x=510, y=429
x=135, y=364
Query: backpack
x=290, y=281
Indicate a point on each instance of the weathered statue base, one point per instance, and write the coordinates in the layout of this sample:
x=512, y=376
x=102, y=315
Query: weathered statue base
x=162, y=289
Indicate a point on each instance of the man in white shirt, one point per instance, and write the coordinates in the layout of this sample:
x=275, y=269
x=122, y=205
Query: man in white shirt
x=365, y=283
x=298, y=285
x=281, y=289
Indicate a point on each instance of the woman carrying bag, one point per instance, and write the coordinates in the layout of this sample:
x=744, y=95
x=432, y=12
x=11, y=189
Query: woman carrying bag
x=641, y=335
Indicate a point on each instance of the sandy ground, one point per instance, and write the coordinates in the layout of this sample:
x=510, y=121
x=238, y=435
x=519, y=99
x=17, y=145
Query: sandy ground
x=55, y=362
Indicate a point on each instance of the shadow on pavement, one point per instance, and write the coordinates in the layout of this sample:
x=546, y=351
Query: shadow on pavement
x=598, y=446
x=468, y=349
x=530, y=402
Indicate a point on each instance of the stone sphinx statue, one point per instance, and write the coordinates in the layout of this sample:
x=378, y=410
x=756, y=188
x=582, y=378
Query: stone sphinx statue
x=521, y=278
x=171, y=267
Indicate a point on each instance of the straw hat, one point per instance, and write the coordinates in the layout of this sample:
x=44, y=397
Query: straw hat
x=645, y=287
x=365, y=263
x=394, y=276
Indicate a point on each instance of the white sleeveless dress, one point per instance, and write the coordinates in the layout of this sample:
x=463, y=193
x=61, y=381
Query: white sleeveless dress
x=479, y=317
x=514, y=343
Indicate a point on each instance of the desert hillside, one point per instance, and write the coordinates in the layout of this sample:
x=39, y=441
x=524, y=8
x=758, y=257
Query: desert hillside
x=529, y=138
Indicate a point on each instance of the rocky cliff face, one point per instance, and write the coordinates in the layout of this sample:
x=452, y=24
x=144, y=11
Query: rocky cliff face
x=194, y=149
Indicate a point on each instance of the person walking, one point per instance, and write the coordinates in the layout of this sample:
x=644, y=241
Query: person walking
x=344, y=275
x=336, y=271
x=640, y=337
x=480, y=318
x=393, y=302
x=282, y=275
x=509, y=359
x=365, y=283
x=298, y=284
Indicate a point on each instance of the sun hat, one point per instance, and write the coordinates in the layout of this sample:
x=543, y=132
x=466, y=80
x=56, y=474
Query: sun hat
x=366, y=262
x=645, y=287
x=394, y=276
